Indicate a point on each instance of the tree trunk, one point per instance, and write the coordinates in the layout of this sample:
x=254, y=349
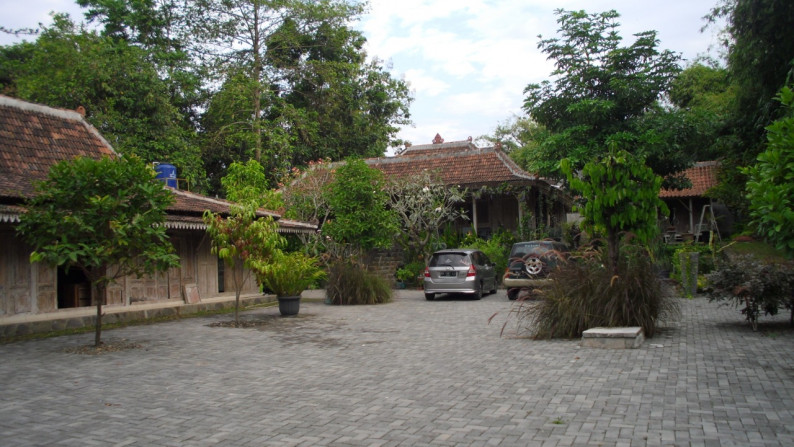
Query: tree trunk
x=613, y=252
x=100, y=297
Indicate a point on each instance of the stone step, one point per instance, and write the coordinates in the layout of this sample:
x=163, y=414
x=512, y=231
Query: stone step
x=613, y=337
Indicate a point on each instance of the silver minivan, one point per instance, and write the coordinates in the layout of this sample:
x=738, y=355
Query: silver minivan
x=464, y=270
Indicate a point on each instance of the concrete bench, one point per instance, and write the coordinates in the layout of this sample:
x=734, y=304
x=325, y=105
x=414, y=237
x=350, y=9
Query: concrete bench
x=613, y=337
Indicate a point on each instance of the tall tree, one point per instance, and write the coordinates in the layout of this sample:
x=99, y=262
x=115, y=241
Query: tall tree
x=600, y=89
x=296, y=85
x=103, y=217
x=121, y=90
x=760, y=56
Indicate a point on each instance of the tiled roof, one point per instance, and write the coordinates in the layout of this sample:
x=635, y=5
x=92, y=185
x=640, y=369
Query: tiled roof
x=34, y=137
x=703, y=177
x=459, y=163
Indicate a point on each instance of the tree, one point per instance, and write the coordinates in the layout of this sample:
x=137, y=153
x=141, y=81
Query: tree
x=360, y=216
x=621, y=194
x=235, y=36
x=246, y=183
x=423, y=205
x=770, y=185
x=600, y=90
x=116, y=83
x=244, y=241
x=104, y=217
x=760, y=53
x=295, y=83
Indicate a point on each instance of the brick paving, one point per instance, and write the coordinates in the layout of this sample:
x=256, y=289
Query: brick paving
x=408, y=373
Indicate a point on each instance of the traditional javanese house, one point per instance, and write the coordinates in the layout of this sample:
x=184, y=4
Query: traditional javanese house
x=39, y=297
x=500, y=194
x=693, y=214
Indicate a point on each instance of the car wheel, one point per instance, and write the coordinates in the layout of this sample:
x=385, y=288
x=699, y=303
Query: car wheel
x=493, y=287
x=478, y=292
x=430, y=296
x=512, y=294
x=533, y=265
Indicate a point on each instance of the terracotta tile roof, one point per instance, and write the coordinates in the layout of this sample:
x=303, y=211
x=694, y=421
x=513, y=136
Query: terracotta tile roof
x=703, y=177
x=33, y=137
x=459, y=163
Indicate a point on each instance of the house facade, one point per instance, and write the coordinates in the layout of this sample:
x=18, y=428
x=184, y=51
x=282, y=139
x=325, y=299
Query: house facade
x=501, y=195
x=694, y=215
x=33, y=138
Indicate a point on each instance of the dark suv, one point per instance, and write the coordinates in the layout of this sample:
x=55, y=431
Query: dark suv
x=530, y=263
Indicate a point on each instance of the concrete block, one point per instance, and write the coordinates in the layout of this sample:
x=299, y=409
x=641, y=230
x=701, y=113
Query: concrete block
x=613, y=337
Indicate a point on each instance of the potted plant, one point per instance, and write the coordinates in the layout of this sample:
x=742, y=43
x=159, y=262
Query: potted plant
x=287, y=275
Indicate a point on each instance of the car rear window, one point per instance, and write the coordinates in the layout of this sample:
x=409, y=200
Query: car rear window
x=521, y=250
x=452, y=259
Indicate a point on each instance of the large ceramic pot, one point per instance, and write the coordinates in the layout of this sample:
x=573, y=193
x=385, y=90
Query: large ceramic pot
x=289, y=305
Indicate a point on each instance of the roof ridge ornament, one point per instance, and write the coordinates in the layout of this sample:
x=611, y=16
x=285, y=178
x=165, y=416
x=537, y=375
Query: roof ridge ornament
x=438, y=139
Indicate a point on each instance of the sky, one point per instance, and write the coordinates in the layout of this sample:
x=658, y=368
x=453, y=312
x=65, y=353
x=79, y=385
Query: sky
x=467, y=62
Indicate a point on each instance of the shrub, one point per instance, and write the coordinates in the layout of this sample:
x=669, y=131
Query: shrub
x=497, y=248
x=350, y=283
x=289, y=274
x=409, y=273
x=746, y=281
x=583, y=295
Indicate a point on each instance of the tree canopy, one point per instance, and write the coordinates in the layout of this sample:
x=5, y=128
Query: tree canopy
x=600, y=92
x=103, y=217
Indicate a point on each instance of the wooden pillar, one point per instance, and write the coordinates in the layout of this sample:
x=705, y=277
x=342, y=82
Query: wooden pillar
x=474, y=213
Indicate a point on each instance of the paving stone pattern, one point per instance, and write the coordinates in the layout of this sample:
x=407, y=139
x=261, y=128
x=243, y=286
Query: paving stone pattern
x=408, y=373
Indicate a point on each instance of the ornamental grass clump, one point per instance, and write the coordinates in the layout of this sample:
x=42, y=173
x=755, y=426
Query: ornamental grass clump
x=351, y=283
x=583, y=295
x=289, y=274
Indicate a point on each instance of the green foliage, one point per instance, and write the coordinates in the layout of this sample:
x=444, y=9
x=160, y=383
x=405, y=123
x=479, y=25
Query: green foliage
x=600, y=90
x=584, y=294
x=620, y=194
x=758, y=286
x=770, y=184
x=358, y=202
x=118, y=85
x=296, y=84
x=243, y=241
x=289, y=274
x=409, y=273
x=497, y=248
x=103, y=217
x=706, y=257
x=350, y=283
x=423, y=206
x=246, y=183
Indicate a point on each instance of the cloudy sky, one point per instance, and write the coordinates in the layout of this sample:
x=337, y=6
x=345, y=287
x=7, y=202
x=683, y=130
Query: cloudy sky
x=467, y=61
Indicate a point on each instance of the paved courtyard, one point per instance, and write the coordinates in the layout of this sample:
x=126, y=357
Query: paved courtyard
x=408, y=373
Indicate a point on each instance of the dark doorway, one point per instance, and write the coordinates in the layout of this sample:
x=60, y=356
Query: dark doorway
x=74, y=290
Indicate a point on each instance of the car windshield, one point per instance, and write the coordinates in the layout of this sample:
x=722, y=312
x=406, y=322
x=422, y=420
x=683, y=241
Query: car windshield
x=449, y=259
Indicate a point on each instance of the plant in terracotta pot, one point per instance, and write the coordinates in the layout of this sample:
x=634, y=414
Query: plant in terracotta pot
x=287, y=275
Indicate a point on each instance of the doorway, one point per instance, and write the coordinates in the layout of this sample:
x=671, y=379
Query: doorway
x=74, y=289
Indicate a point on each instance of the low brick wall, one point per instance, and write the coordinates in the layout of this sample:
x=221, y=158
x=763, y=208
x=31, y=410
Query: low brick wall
x=86, y=317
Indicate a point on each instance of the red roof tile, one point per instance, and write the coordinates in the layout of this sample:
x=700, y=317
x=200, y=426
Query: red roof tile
x=34, y=137
x=703, y=177
x=459, y=163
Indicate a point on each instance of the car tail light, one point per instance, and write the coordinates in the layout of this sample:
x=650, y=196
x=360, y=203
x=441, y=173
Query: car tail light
x=427, y=272
x=472, y=271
